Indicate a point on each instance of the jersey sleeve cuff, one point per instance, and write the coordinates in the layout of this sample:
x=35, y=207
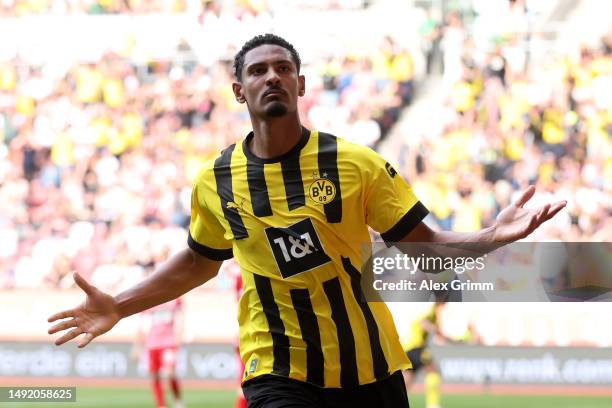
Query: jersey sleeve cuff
x=406, y=224
x=210, y=253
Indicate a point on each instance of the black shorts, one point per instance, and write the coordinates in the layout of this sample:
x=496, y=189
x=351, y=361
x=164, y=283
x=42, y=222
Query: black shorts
x=419, y=357
x=272, y=391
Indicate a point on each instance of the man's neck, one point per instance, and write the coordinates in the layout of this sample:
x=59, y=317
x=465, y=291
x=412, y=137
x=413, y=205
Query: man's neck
x=275, y=137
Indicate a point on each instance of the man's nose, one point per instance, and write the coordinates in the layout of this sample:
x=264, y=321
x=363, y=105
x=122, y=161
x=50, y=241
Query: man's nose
x=272, y=77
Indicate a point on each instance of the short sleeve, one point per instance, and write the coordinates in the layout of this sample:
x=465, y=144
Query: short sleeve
x=391, y=207
x=206, y=234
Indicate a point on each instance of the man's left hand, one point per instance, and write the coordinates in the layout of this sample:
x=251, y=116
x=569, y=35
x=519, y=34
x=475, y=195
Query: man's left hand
x=515, y=222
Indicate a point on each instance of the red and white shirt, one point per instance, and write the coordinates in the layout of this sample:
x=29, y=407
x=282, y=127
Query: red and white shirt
x=162, y=328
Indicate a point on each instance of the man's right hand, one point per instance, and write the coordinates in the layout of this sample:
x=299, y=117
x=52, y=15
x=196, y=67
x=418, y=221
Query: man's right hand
x=97, y=315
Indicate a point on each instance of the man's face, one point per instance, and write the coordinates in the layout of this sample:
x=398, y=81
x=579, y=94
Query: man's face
x=270, y=82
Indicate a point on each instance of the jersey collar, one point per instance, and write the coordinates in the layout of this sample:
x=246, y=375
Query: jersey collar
x=295, y=150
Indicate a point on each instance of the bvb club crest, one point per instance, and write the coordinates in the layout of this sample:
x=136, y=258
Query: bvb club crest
x=322, y=190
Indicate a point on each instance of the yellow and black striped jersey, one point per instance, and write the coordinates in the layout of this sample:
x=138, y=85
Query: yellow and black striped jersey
x=296, y=225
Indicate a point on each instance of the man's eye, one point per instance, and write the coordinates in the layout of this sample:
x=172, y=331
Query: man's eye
x=284, y=69
x=259, y=71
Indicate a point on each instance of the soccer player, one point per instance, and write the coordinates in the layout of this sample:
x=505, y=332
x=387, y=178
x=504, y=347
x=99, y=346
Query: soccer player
x=160, y=334
x=292, y=206
x=422, y=329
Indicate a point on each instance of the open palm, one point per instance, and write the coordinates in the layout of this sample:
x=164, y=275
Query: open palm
x=515, y=222
x=97, y=315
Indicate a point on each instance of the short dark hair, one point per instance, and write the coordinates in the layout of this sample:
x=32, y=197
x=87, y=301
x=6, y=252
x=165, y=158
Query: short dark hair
x=262, y=40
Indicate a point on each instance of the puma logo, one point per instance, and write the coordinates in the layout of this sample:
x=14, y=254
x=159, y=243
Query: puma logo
x=235, y=206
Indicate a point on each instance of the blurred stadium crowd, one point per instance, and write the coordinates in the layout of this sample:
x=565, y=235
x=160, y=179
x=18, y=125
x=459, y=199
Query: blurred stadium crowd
x=97, y=7
x=504, y=124
x=96, y=165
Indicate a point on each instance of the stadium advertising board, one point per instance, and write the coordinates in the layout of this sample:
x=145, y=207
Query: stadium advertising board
x=111, y=360
x=459, y=364
x=525, y=365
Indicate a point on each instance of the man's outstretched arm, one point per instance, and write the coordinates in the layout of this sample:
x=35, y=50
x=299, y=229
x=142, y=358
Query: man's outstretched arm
x=100, y=312
x=513, y=223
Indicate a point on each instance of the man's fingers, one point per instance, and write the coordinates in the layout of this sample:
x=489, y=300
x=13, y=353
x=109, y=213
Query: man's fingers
x=525, y=196
x=555, y=209
x=61, y=315
x=63, y=326
x=85, y=340
x=547, y=212
x=68, y=336
x=533, y=223
x=542, y=214
x=83, y=284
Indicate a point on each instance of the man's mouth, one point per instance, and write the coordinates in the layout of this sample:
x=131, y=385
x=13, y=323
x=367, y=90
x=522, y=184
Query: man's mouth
x=274, y=92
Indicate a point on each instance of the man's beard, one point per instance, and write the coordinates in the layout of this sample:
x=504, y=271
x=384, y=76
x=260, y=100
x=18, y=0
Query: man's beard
x=276, y=109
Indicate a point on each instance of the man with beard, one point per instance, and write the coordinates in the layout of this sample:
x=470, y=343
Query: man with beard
x=293, y=206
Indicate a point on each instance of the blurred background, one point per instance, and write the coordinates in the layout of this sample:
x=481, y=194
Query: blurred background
x=108, y=108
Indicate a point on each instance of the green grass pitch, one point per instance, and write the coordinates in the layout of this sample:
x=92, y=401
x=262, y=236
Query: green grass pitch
x=194, y=398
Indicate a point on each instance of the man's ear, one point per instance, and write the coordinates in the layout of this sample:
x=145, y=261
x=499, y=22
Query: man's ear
x=237, y=88
x=301, y=85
